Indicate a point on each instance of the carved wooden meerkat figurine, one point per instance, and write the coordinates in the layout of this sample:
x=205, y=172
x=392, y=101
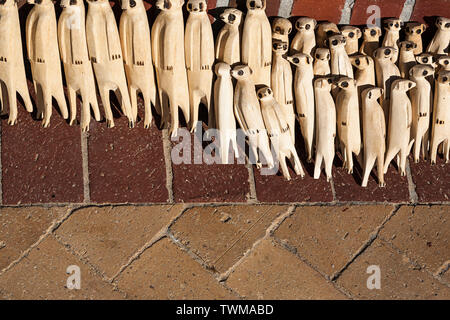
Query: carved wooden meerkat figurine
x=421, y=101
x=444, y=63
x=105, y=51
x=399, y=125
x=322, y=58
x=137, y=55
x=77, y=65
x=223, y=104
x=407, y=60
x=325, y=127
x=340, y=62
x=281, y=28
x=364, y=70
x=199, y=51
x=12, y=69
x=256, y=42
x=248, y=114
x=170, y=64
x=427, y=58
x=352, y=35
x=414, y=31
x=392, y=35
x=325, y=30
x=441, y=40
x=441, y=117
x=278, y=130
x=348, y=120
x=304, y=98
x=374, y=134
x=281, y=80
x=43, y=53
x=228, y=43
x=371, y=40
x=305, y=38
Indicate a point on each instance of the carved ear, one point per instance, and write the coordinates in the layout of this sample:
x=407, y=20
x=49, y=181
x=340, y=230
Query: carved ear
x=370, y=95
x=379, y=32
x=396, y=87
x=251, y=71
x=417, y=59
x=367, y=60
x=325, y=42
x=315, y=23
x=381, y=91
x=358, y=33
x=411, y=71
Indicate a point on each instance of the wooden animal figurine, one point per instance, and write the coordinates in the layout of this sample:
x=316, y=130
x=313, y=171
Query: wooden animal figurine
x=427, y=58
x=223, y=103
x=414, y=31
x=348, y=121
x=374, y=134
x=256, y=44
x=77, y=65
x=441, y=117
x=12, y=69
x=322, y=62
x=305, y=38
x=199, y=50
x=278, y=130
x=304, y=97
x=441, y=40
x=228, y=43
x=421, y=101
x=371, y=40
x=281, y=28
x=340, y=62
x=352, y=35
x=106, y=55
x=399, y=125
x=392, y=35
x=325, y=127
x=444, y=63
x=170, y=64
x=137, y=55
x=282, y=83
x=43, y=53
x=364, y=70
x=407, y=60
x=248, y=114
x=324, y=31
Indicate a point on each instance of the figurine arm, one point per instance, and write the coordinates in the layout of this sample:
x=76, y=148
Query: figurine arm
x=219, y=44
x=240, y=118
x=115, y=51
x=155, y=35
x=207, y=45
x=91, y=26
x=123, y=28
x=62, y=37
x=190, y=43
x=29, y=35
x=139, y=47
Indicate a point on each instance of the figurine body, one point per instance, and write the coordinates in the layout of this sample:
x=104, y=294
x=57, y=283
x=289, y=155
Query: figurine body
x=441, y=40
x=441, y=117
x=414, y=33
x=305, y=38
x=352, y=35
x=340, y=62
x=322, y=62
x=392, y=36
x=407, y=59
x=228, y=46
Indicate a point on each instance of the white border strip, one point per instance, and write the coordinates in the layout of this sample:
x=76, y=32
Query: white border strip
x=407, y=11
x=285, y=9
x=347, y=12
x=222, y=3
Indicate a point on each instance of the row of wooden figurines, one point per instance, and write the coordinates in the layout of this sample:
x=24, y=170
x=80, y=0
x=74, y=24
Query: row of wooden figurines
x=183, y=59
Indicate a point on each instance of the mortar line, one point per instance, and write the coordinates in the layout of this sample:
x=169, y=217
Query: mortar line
x=85, y=162
x=285, y=9
x=414, y=198
x=347, y=12
x=333, y=190
x=168, y=163
x=408, y=8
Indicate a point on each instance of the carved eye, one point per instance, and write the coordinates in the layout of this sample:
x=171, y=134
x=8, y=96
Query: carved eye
x=419, y=31
x=278, y=29
x=334, y=42
x=231, y=17
x=351, y=34
x=260, y=95
x=240, y=72
x=373, y=32
x=308, y=26
x=73, y=2
x=425, y=60
x=425, y=73
x=296, y=60
x=201, y=6
x=444, y=79
x=397, y=25
x=275, y=46
x=387, y=51
x=446, y=62
x=269, y=91
x=329, y=33
x=317, y=56
x=447, y=25
x=357, y=62
x=344, y=84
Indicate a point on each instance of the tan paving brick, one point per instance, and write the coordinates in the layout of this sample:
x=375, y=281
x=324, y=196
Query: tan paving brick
x=221, y=235
x=164, y=271
x=422, y=233
x=42, y=275
x=272, y=272
x=328, y=237
x=400, y=279
x=22, y=227
x=109, y=236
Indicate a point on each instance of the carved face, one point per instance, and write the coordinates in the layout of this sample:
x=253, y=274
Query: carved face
x=372, y=93
x=280, y=47
x=169, y=4
x=407, y=46
x=403, y=85
x=345, y=83
x=281, y=26
x=372, y=34
x=130, y=4
x=223, y=69
x=39, y=1
x=421, y=71
x=444, y=61
x=323, y=83
x=426, y=58
x=322, y=54
x=196, y=6
x=393, y=25
x=336, y=41
x=265, y=93
x=443, y=23
x=443, y=77
x=306, y=24
x=231, y=16
x=361, y=61
x=300, y=59
x=327, y=29
x=414, y=28
x=384, y=53
x=241, y=72
x=351, y=33
x=256, y=4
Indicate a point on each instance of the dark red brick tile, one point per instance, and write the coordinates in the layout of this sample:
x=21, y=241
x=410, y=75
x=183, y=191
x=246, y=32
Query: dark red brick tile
x=388, y=8
x=126, y=165
x=426, y=11
x=348, y=187
x=319, y=9
x=41, y=165
x=272, y=7
x=432, y=181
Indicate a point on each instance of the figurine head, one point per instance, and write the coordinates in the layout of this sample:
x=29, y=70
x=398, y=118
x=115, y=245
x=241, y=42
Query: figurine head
x=372, y=93
x=281, y=26
x=300, y=59
x=130, y=4
x=415, y=28
x=372, y=34
x=323, y=83
x=407, y=46
x=196, y=6
x=95, y=1
x=444, y=61
x=421, y=71
x=306, y=24
x=351, y=33
x=393, y=25
x=265, y=94
x=222, y=69
x=169, y=4
x=241, y=72
x=426, y=58
x=327, y=29
x=256, y=5
x=279, y=46
x=39, y=2
x=68, y=3
x=443, y=77
x=443, y=23
x=360, y=61
x=335, y=42
x=403, y=85
x=322, y=54
x=8, y=3
x=231, y=16
x=345, y=83
x=384, y=53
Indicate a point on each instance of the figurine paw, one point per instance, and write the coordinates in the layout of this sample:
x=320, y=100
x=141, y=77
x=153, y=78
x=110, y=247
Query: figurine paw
x=110, y=123
x=78, y=62
x=116, y=56
x=139, y=63
x=12, y=122
x=205, y=67
x=382, y=184
x=258, y=165
x=3, y=59
x=267, y=64
x=94, y=59
x=147, y=125
x=40, y=60
x=131, y=124
x=168, y=68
